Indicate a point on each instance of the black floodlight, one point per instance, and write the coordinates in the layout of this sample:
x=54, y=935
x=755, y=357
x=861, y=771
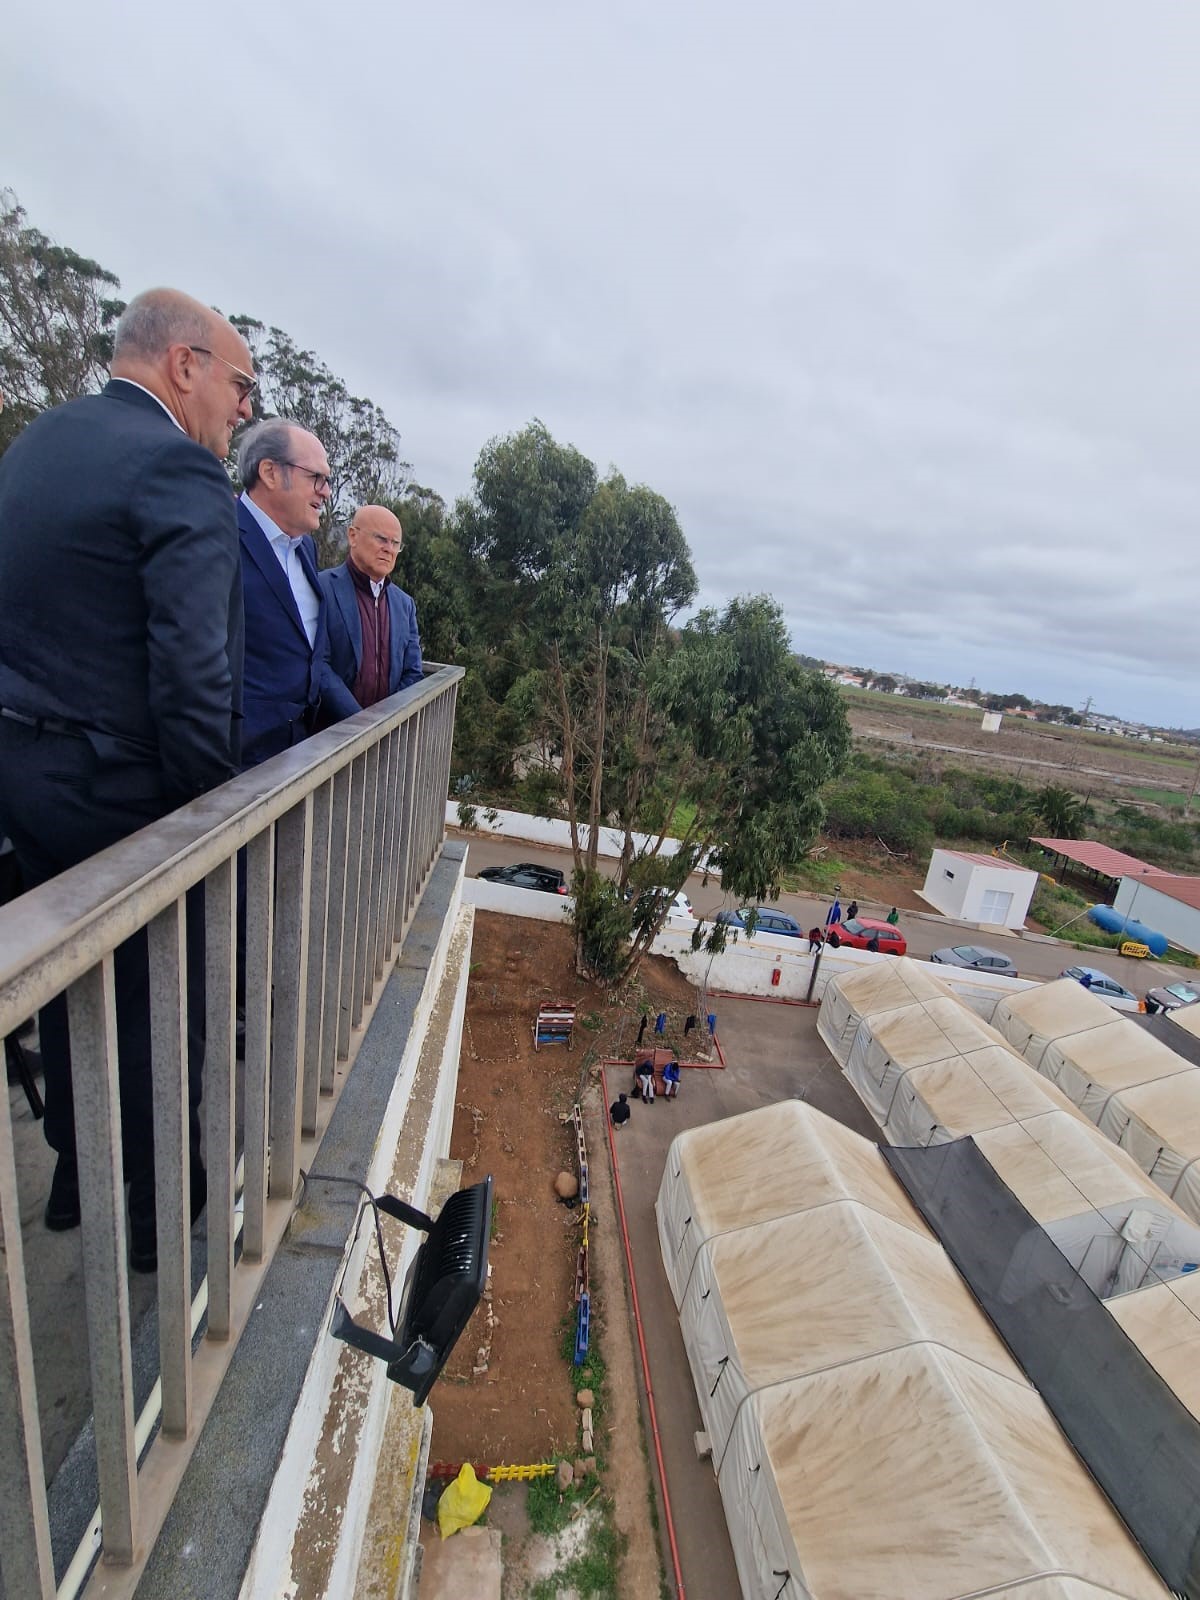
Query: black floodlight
x=443, y=1287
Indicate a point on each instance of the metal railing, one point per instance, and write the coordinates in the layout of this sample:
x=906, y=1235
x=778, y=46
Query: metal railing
x=339, y=835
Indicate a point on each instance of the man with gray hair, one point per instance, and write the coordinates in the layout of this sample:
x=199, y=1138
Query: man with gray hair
x=121, y=664
x=285, y=476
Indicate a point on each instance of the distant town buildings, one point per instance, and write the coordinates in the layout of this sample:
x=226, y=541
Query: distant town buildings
x=897, y=683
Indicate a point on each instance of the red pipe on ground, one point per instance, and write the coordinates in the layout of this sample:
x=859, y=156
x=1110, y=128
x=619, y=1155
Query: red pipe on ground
x=637, y=1322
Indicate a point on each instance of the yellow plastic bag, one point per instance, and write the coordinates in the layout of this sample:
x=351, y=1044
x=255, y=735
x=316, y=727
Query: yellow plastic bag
x=463, y=1502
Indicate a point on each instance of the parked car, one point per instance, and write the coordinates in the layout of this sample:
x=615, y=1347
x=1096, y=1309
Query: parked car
x=859, y=932
x=1173, y=995
x=767, y=920
x=976, y=957
x=527, y=875
x=681, y=906
x=1104, y=986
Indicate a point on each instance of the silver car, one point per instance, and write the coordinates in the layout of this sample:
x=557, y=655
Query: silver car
x=977, y=958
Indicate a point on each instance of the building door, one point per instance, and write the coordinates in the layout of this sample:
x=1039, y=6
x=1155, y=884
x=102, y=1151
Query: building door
x=997, y=903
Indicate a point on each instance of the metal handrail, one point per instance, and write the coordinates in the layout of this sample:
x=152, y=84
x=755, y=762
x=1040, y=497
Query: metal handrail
x=339, y=835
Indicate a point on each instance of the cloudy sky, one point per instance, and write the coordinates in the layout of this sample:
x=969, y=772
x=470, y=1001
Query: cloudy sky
x=898, y=303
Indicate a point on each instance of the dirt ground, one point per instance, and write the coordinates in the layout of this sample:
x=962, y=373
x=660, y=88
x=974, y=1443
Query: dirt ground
x=520, y=1407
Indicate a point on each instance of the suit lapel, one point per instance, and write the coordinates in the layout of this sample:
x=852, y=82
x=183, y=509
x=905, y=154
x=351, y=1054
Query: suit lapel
x=397, y=634
x=347, y=603
x=258, y=547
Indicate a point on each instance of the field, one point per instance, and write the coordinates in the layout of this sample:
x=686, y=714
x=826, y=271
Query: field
x=1101, y=764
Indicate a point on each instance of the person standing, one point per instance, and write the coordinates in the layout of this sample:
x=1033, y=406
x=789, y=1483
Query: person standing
x=852, y=911
x=834, y=915
x=121, y=646
x=285, y=477
x=893, y=916
x=374, y=647
x=815, y=939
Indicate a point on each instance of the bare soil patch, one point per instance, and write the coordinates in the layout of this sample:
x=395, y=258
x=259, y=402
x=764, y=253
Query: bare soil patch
x=508, y=1121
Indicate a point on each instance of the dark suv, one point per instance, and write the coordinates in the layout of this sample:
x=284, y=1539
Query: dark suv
x=527, y=875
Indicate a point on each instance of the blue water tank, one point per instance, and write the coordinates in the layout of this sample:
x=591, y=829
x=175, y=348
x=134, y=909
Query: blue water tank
x=1114, y=922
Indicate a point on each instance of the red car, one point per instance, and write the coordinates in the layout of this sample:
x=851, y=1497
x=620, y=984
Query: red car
x=859, y=933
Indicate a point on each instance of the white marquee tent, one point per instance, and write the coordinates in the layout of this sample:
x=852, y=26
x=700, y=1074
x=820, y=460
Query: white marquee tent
x=872, y=1436
x=933, y=1071
x=1159, y=1124
x=1111, y=1222
x=883, y=987
x=1164, y=1322
x=1187, y=1018
x=1038, y=1017
x=730, y=1175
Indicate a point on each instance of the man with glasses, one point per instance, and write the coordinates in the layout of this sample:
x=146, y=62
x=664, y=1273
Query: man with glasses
x=374, y=647
x=285, y=477
x=121, y=665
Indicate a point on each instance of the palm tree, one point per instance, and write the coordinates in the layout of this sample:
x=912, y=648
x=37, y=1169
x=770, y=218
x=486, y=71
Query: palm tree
x=1061, y=811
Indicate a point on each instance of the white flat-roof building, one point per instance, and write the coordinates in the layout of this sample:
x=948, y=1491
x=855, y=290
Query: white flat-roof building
x=976, y=888
x=1167, y=903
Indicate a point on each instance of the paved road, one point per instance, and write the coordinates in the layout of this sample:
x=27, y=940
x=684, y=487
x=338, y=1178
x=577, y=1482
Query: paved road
x=1034, y=954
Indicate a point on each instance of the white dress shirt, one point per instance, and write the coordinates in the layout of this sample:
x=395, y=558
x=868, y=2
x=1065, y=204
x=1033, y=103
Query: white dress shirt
x=308, y=601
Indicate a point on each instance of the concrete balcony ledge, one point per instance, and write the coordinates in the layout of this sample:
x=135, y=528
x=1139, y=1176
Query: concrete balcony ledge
x=281, y=1494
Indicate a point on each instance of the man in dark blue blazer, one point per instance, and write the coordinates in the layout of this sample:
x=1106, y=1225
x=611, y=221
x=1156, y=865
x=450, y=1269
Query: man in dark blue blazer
x=121, y=664
x=285, y=474
x=374, y=647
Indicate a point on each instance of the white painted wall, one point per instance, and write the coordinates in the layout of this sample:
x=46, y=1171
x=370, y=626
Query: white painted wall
x=502, y=897
x=553, y=831
x=1179, y=922
x=957, y=888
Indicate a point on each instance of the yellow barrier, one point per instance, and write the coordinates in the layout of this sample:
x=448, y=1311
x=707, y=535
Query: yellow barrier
x=1132, y=948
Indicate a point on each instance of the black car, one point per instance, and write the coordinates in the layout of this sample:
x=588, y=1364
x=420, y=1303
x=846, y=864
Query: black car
x=527, y=875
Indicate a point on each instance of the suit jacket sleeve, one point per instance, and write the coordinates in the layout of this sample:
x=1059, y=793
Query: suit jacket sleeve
x=411, y=670
x=186, y=524
x=336, y=700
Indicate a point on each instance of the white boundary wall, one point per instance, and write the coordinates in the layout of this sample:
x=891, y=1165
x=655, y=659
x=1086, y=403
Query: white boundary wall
x=747, y=965
x=556, y=832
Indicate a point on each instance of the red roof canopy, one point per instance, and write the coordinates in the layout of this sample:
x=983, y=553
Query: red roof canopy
x=1101, y=858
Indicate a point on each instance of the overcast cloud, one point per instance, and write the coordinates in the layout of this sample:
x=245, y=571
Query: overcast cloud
x=899, y=304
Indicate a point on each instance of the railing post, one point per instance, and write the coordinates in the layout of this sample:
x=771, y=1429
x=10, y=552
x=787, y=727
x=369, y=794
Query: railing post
x=220, y=1087
x=404, y=825
x=339, y=888
x=260, y=903
x=290, y=974
x=169, y=1062
x=349, y=1008
x=395, y=845
x=364, y=942
x=91, y=1007
x=28, y=1565
x=318, y=933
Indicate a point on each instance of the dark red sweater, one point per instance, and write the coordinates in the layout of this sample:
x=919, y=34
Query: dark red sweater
x=375, y=615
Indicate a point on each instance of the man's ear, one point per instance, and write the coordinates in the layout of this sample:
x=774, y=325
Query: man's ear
x=181, y=366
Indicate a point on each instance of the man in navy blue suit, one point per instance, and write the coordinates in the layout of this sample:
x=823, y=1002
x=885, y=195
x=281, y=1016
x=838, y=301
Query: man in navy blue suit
x=285, y=473
x=374, y=647
x=121, y=666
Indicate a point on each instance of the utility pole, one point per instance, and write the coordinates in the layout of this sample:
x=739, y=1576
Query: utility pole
x=1187, y=804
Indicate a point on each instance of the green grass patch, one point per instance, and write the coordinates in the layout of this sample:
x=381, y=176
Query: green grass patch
x=816, y=875
x=1171, y=798
x=593, y=1572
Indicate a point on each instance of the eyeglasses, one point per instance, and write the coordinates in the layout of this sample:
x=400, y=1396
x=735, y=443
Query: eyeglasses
x=320, y=479
x=384, y=543
x=242, y=381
